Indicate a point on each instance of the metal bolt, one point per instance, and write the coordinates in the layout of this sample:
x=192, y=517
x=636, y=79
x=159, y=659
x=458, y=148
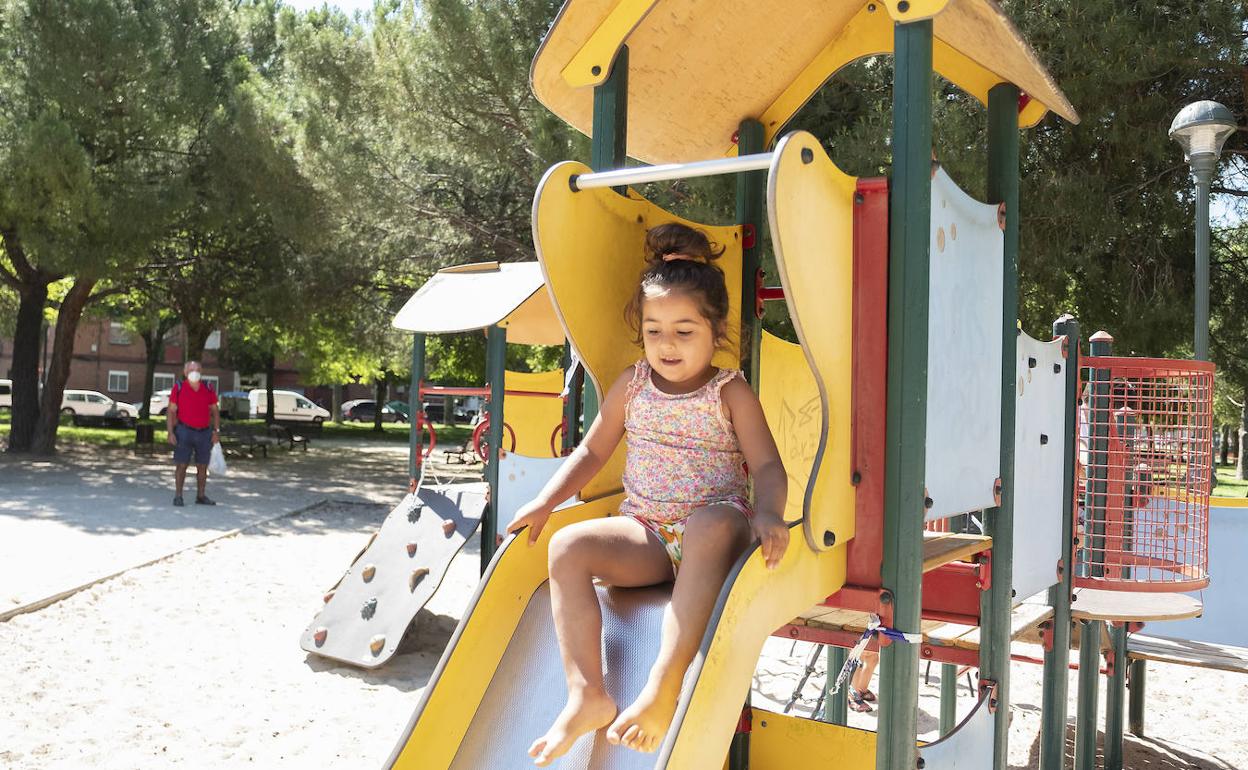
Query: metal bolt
x=1044, y=439
x=1057, y=368
x=807, y=155
x=927, y=502
x=763, y=723
x=903, y=6
x=595, y=70
x=856, y=478
x=886, y=597
x=829, y=538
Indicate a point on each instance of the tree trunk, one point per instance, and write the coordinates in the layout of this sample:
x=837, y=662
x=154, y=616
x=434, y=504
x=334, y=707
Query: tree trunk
x=270, y=374
x=1241, y=469
x=381, y=395
x=1225, y=449
x=335, y=400
x=58, y=367
x=26, y=344
x=196, y=338
x=153, y=348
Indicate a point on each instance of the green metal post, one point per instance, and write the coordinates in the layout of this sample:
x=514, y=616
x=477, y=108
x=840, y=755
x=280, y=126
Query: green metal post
x=1092, y=562
x=1056, y=685
x=1089, y=694
x=1135, y=708
x=572, y=404
x=608, y=145
x=997, y=601
x=1116, y=697
x=495, y=373
x=835, y=707
x=910, y=215
x=414, y=407
x=751, y=190
x=948, y=697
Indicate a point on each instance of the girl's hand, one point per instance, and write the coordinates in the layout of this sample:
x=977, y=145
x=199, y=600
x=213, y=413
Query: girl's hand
x=772, y=534
x=533, y=516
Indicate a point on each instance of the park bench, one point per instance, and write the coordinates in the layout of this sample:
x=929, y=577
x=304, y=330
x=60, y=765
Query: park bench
x=241, y=437
x=282, y=434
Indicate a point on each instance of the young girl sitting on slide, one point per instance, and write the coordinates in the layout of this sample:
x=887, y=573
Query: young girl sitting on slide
x=691, y=429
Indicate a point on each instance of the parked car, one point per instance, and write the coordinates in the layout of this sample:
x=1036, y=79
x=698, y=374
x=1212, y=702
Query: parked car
x=158, y=404
x=6, y=395
x=288, y=406
x=89, y=406
x=363, y=410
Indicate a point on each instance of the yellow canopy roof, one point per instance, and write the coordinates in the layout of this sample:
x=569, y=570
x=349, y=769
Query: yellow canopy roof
x=698, y=67
x=477, y=296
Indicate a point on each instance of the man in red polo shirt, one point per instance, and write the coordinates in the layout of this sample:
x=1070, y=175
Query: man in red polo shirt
x=194, y=423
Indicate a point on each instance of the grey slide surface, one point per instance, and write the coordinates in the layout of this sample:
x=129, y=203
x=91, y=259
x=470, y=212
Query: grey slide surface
x=528, y=689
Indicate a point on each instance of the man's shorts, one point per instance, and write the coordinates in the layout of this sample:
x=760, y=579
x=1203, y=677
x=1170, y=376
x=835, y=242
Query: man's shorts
x=196, y=440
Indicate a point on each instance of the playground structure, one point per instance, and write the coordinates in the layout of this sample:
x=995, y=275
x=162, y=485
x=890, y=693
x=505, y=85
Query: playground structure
x=366, y=614
x=912, y=398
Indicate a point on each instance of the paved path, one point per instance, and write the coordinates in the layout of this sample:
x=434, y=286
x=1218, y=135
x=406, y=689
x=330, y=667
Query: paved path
x=89, y=513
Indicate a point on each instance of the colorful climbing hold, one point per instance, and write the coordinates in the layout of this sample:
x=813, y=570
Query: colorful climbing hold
x=329, y=596
x=369, y=609
x=415, y=578
x=448, y=528
x=411, y=548
x=369, y=571
x=377, y=644
x=319, y=636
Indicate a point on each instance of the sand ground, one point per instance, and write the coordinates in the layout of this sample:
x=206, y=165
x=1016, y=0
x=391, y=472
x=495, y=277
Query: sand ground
x=194, y=661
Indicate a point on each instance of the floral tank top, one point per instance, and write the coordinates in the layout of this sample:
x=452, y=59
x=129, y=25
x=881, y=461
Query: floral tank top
x=682, y=451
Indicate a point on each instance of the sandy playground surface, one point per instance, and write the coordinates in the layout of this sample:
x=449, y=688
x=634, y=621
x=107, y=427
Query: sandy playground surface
x=195, y=662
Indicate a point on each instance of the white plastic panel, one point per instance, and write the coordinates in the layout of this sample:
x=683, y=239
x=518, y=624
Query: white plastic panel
x=1039, y=452
x=968, y=747
x=520, y=478
x=964, y=352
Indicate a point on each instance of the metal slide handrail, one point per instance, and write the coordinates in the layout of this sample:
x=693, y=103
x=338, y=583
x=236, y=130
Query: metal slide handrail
x=624, y=177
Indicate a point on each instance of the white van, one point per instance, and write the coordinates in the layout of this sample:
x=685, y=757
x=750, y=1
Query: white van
x=6, y=395
x=288, y=406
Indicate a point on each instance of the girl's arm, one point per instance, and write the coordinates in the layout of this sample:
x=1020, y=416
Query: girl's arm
x=583, y=464
x=771, y=482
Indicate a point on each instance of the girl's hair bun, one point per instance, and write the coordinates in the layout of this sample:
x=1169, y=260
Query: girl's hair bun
x=664, y=241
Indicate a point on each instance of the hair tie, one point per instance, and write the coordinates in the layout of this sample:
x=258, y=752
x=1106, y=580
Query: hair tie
x=676, y=255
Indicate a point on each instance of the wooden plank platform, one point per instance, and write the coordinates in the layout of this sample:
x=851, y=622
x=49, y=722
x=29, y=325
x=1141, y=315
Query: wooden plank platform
x=936, y=633
x=940, y=548
x=1186, y=652
x=1142, y=606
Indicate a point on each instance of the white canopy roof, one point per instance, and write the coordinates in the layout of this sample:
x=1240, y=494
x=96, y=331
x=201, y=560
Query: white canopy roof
x=477, y=296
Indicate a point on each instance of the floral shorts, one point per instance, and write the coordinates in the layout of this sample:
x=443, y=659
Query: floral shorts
x=672, y=533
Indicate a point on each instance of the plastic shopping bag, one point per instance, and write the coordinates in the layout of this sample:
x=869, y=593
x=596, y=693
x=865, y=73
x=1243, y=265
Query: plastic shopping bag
x=216, y=463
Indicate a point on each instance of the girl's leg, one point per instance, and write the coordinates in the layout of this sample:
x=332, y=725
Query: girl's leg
x=714, y=537
x=621, y=552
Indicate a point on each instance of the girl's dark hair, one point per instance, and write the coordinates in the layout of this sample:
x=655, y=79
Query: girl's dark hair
x=695, y=274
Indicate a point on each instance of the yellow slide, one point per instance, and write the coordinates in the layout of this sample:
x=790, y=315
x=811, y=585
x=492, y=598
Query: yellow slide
x=500, y=682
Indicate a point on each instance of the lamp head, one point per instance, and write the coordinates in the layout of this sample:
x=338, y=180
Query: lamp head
x=1201, y=128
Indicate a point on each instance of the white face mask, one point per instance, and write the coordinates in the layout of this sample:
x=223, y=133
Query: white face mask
x=193, y=376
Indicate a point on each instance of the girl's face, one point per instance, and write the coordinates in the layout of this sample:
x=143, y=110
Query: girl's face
x=678, y=340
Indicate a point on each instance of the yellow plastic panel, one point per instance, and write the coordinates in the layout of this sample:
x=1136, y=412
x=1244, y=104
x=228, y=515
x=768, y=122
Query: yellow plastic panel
x=534, y=322
x=790, y=398
x=810, y=205
x=689, y=88
x=533, y=418
x=468, y=666
x=777, y=740
x=758, y=602
x=600, y=49
x=591, y=247
x=916, y=10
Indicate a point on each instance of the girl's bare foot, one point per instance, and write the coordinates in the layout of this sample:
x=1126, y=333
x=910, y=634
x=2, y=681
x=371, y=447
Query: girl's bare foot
x=584, y=713
x=643, y=725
